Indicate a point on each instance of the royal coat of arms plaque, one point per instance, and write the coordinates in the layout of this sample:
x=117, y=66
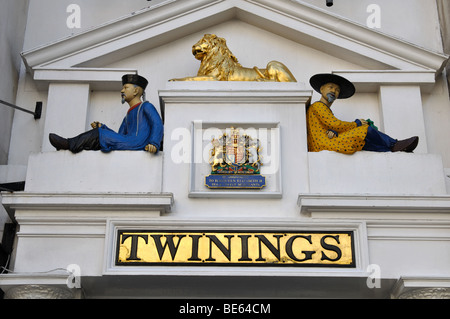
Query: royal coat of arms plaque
x=235, y=161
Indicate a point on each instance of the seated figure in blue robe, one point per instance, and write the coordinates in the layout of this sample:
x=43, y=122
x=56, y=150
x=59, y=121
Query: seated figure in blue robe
x=141, y=129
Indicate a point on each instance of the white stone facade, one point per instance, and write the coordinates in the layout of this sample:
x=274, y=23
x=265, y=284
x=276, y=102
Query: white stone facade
x=396, y=205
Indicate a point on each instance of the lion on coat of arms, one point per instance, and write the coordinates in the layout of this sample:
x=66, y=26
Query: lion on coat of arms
x=219, y=64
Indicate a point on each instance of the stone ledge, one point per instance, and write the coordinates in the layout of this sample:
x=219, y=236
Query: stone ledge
x=374, y=173
x=372, y=206
x=108, y=202
x=245, y=92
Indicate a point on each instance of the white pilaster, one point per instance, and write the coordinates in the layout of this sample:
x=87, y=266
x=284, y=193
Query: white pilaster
x=66, y=111
x=401, y=108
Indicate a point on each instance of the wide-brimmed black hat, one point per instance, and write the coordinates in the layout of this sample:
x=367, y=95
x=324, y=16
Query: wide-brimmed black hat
x=347, y=87
x=135, y=79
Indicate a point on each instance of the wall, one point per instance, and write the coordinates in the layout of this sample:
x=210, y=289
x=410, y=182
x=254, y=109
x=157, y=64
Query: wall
x=413, y=21
x=419, y=19
x=12, y=30
x=304, y=61
x=92, y=14
x=420, y=26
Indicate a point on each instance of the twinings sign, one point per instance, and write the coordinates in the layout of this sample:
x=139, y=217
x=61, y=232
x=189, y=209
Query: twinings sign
x=195, y=248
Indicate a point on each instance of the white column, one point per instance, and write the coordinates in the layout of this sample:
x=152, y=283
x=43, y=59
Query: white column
x=401, y=108
x=66, y=111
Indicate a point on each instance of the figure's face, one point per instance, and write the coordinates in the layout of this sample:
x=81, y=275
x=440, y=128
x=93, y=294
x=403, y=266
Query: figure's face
x=129, y=92
x=330, y=92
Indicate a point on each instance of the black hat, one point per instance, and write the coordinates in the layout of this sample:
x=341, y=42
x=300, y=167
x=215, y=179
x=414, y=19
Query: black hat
x=347, y=87
x=135, y=79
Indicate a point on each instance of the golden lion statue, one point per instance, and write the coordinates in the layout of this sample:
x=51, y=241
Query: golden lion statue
x=219, y=64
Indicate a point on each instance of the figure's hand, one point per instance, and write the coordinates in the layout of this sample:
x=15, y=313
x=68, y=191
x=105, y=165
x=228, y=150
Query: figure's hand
x=364, y=122
x=151, y=148
x=96, y=124
x=331, y=134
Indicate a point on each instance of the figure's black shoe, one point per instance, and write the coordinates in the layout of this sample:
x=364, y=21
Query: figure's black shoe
x=407, y=145
x=60, y=143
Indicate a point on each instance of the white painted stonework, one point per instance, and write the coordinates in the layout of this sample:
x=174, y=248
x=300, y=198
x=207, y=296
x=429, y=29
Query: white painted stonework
x=90, y=172
x=376, y=174
x=396, y=204
x=195, y=112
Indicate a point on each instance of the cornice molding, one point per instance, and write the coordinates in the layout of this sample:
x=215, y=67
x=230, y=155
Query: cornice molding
x=223, y=92
x=98, y=78
x=94, y=202
x=371, y=81
x=365, y=205
x=295, y=20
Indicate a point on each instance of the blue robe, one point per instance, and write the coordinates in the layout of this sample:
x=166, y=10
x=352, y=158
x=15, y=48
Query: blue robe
x=141, y=126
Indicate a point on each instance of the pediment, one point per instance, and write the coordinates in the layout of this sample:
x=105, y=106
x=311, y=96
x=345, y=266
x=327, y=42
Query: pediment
x=150, y=28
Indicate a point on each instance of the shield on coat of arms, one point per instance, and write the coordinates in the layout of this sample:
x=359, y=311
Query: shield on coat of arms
x=235, y=150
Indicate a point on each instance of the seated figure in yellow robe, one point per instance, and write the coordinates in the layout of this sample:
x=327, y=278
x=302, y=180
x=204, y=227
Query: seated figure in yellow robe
x=326, y=132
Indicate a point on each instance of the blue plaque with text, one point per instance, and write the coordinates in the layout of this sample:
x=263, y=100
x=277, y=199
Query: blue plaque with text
x=235, y=181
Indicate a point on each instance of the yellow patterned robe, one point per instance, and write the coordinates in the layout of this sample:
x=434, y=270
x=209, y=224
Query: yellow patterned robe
x=320, y=119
